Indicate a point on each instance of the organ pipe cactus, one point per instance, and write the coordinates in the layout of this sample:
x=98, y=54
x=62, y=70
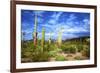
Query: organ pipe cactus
x=43, y=38
x=35, y=32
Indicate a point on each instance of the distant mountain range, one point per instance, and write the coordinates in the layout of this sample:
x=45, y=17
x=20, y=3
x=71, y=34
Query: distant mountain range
x=78, y=38
x=70, y=39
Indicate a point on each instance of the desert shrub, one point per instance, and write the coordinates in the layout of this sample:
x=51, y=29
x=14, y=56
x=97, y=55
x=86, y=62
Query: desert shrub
x=46, y=47
x=60, y=58
x=40, y=57
x=65, y=48
x=40, y=49
x=52, y=53
x=28, y=54
x=52, y=47
x=86, y=52
x=58, y=50
x=22, y=54
x=40, y=54
x=26, y=51
x=80, y=48
x=72, y=50
x=69, y=48
x=87, y=41
x=78, y=58
x=24, y=44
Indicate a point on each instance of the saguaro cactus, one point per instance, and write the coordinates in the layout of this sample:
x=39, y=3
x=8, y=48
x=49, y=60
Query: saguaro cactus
x=60, y=37
x=35, y=32
x=43, y=38
x=49, y=39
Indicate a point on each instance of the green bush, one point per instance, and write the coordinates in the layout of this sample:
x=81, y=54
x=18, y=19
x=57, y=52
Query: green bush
x=52, y=53
x=65, y=49
x=52, y=46
x=58, y=50
x=72, y=49
x=86, y=52
x=80, y=47
x=40, y=57
x=69, y=48
x=60, y=58
x=28, y=54
x=26, y=51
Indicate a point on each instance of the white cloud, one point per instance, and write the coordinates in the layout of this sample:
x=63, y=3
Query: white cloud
x=71, y=20
x=86, y=20
x=28, y=31
x=39, y=13
x=75, y=30
x=47, y=25
x=25, y=24
x=52, y=21
x=55, y=17
x=72, y=17
x=40, y=20
x=86, y=24
x=68, y=36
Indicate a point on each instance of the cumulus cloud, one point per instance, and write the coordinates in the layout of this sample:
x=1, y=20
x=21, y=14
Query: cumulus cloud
x=75, y=30
x=55, y=17
x=38, y=13
x=71, y=17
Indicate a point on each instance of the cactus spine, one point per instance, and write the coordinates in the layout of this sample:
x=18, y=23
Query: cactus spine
x=43, y=38
x=35, y=32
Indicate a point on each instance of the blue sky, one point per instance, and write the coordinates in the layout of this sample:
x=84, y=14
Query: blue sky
x=73, y=24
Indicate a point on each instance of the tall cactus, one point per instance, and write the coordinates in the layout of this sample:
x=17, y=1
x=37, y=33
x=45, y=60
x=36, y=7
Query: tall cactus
x=43, y=38
x=49, y=39
x=35, y=32
x=60, y=37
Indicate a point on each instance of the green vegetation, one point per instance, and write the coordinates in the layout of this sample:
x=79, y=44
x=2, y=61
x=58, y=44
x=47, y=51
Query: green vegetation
x=41, y=50
x=78, y=58
x=43, y=38
x=47, y=50
x=60, y=58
